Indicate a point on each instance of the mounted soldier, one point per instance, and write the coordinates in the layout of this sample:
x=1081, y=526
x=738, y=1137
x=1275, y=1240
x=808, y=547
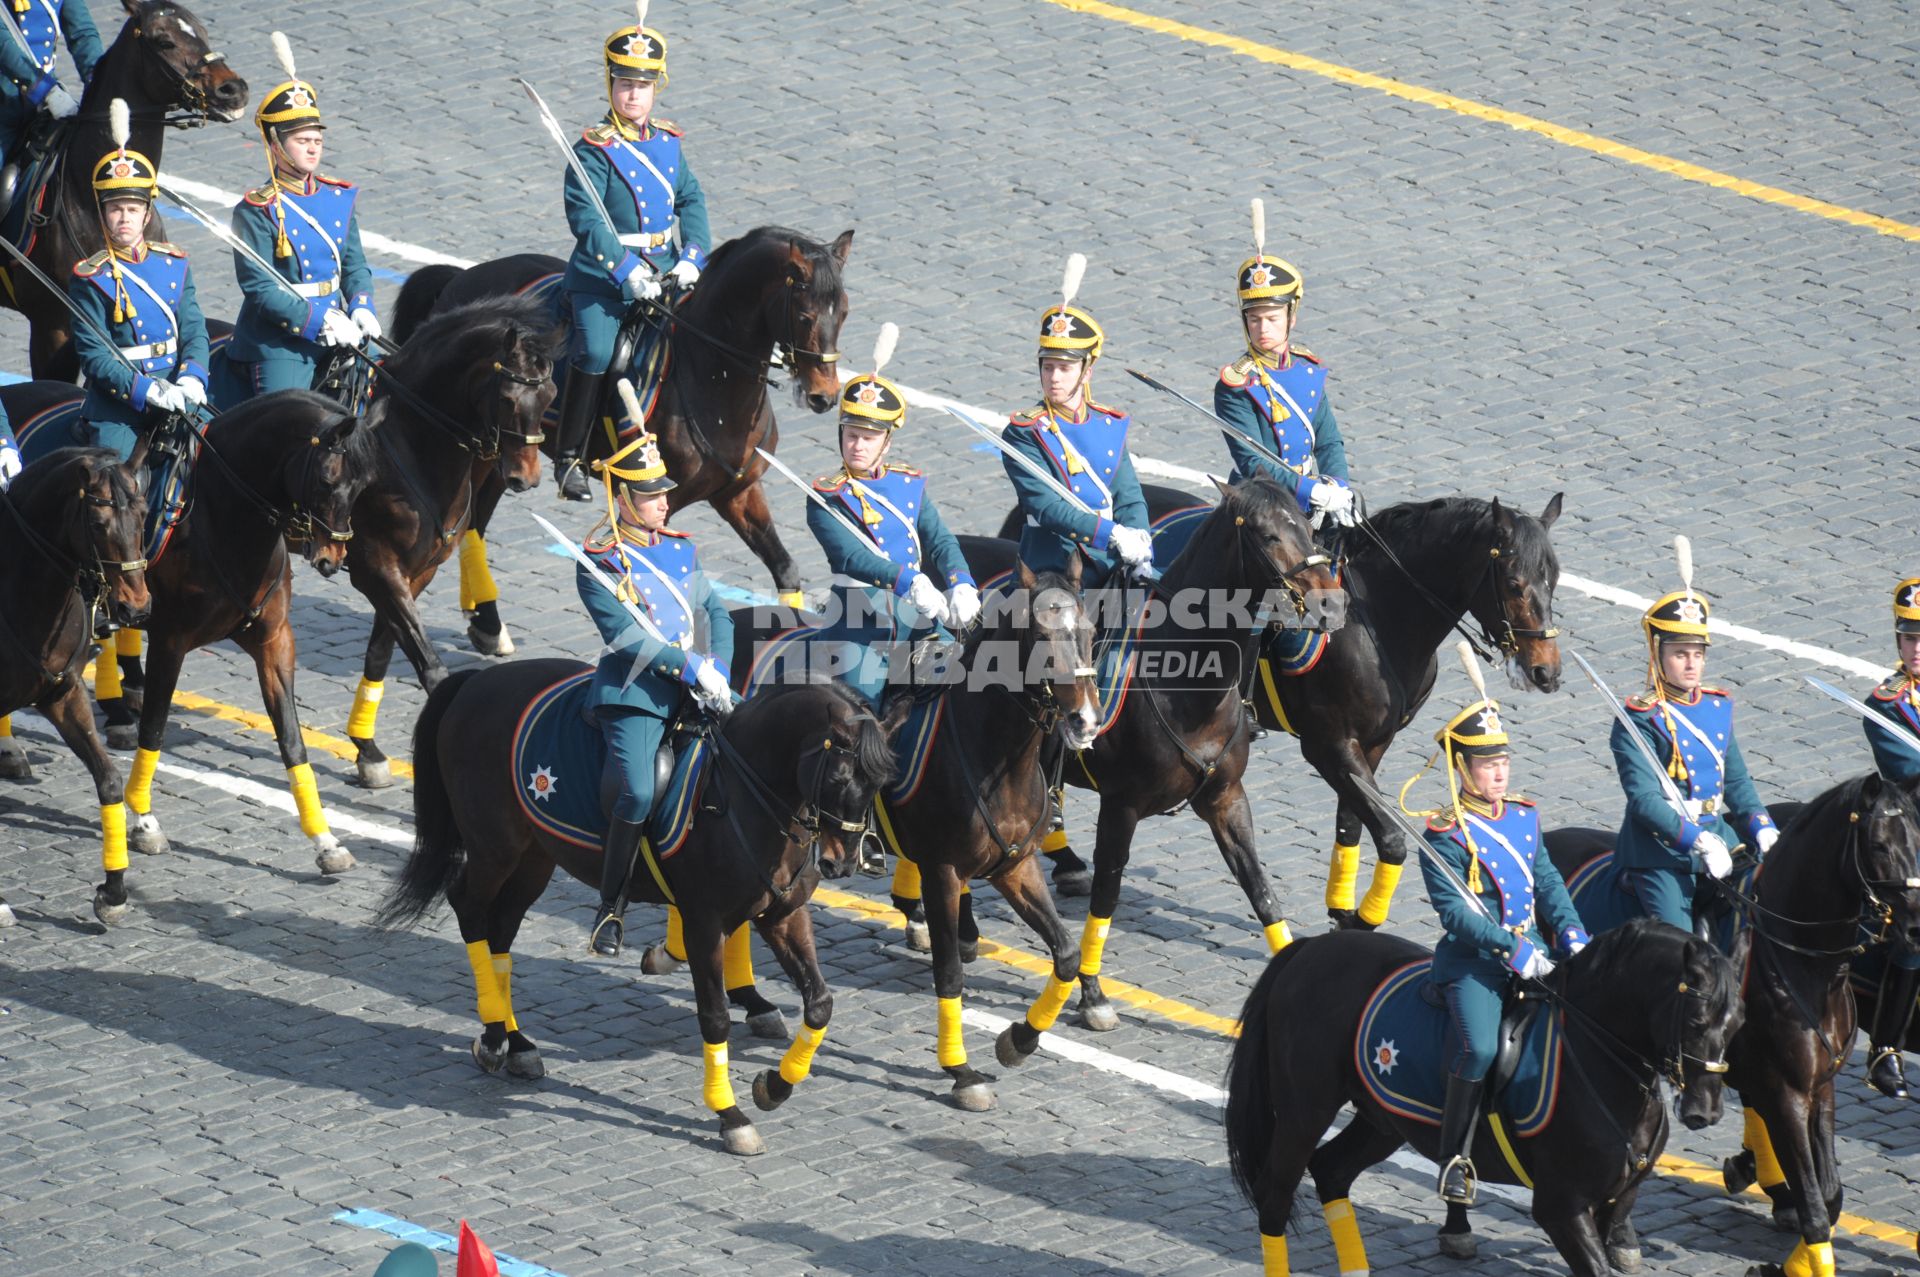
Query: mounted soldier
x=1689, y=725
x=1491, y=839
x=1898, y=699
x=28, y=84
x=642, y=182
x=1083, y=444
x=304, y=223
x=1277, y=392
x=645, y=670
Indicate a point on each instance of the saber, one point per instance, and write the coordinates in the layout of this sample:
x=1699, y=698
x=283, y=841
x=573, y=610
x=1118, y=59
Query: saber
x=819, y=500
x=580, y=556
x=1434, y=858
x=1156, y=384
x=559, y=137
x=1893, y=729
x=1025, y=462
x=1671, y=790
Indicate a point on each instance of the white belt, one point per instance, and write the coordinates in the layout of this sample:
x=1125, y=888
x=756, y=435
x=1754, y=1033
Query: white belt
x=153, y=350
x=318, y=288
x=643, y=240
x=1697, y=806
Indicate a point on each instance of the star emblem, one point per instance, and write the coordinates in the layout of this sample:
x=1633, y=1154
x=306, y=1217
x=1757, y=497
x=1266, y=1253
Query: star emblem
x=123, y=168
x=1259, y=277
x=638, y=46
x=541, y=784
x=1060, y=326
x=869, y=393
x=1913, y=596
x=1386, y=1056
x=1490, y=722
x=299, y=99
x=1691, y=612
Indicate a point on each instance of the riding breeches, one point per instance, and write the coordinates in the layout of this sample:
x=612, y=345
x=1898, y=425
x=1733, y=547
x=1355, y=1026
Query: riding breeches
x=633, y=738
x=1474, y=1003
x=1666, y=894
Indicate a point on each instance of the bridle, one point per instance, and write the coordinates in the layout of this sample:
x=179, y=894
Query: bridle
x=1286, y=577
x=1494, y=642
x=805, y=825
x=89, y=578
x=1673, y=1067
x=191, y=94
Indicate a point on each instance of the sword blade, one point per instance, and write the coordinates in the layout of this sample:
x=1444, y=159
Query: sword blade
x=580, y=556
x=787, y=474
x=1019, y=458
x=1671, y=790
x=559, y=137
x=1865, y=711
x=1434, y=858
x=1214, y=417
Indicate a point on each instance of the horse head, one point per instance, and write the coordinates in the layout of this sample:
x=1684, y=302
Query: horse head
x=1888, y=861
x=1265, y=544
x=839, y=777
x=177, y=67
x=801, y=303
x=515, y=395
x=112, y=511
x=1701, y=1016
x=1515, y=604
x=320, y=479
x=1055, y=652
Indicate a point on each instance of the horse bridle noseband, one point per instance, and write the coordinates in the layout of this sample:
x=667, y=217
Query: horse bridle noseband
x=811, y=820
x=199, y=108
x=1674, y=1066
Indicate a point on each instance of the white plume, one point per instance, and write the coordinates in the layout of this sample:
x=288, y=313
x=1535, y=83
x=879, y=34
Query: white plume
x=1070, y=282
x=1259, y=226
x=1472, y=665
x=640, y=13
x=284, y=51
x=632, y=402
x=1683, y=551
x=883, y=345
x=120, y=122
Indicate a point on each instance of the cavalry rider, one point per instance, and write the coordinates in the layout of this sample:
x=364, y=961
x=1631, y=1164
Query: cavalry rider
x=304, y=223
x=1083, y=444
x=1491, y=840
x=1897, y=699
x=27, y=79
x=1277, y=392
x=641, y=680
x=1688, y=726
x=884, y=578
x=643, y=181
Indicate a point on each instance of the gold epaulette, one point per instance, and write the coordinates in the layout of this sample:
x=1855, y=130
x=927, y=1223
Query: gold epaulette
x=261, y=196
x=333, y=181
x=1238, y=373
x=669, y=532
x=1030, y=417
x=1306, y=354
x=161, y=246
x=601, y=135
x=1891, y=688
x=1641, y=702
x=668, y=127
x=908, y=470
x=1438, y=825
x=830, y=482
x=1715, y=691
x=92, y=266
x=1518, y=801
x=1104, y=410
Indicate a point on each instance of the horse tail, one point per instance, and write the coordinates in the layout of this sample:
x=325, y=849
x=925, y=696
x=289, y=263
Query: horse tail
x=437, y=851
x=1250, y=1100
x=418, y=296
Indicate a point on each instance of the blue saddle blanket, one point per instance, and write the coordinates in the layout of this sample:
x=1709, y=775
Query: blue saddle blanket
x=1605, y=900
x=559, y=758
x=1401, y=1047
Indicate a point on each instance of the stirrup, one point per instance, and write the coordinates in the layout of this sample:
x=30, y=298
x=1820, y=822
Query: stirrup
x=609, y=935
x=1894, y=1088
x=569, y=468
x=1463, y=1196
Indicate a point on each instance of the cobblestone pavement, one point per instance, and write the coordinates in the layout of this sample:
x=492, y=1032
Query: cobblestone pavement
x=203, y=1089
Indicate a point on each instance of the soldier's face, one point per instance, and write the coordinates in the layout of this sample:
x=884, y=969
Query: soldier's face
x=1489, y=777
x=1062, y=381
x=1683, y=665
x=1269, y=327
x=634, y=99
x=1909, y=653
x=300, y=152
x=126, y=222
x=861, y=449
x=647, y=510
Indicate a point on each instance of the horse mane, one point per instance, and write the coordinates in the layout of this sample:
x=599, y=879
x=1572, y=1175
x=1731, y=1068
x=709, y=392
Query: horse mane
x=823, y=289
x=51, y=471
x=429, y=350
x=1607, y=960
x=872, y=754
x=1837, y=804
x=1443, y=521
x=1253, y=496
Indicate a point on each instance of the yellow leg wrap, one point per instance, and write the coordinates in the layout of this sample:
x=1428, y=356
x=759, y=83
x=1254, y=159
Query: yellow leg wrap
x=1093, y=943
x=736, y=960
x=6, y=726
x=476, y=578
x=366, y=708
x=1386, y=877
x=127, y=643
x=139, y=791
x=797, y=1063
x=1054, y=841
x=1349, y=1251
x=1815, y=1260
x=1046, y=1008
x=676, y=935
x=106, y=678
x=906, y=879
x=1341, y=877
x=113, y=836
x=1273, y=1256
x=793, y=599
x=952, y=1049
x=1766, y=1165
x=306, y=797
x=493, y=1008
x=1279, y=936
x=503, y=981
x=717, y=1088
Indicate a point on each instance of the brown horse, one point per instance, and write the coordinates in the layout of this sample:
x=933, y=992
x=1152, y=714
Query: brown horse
x=162, y=67
x=71, y=546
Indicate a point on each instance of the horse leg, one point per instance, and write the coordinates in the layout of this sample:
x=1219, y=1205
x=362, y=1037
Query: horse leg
x=763, y=1018
x=1616, y=1225
x=1456, y=1235
x=370, y=762
x=971, y=1090
x=510, y=907
x=1112, y=844
x=705, y=946
x=745, y=509
x=479, y=596
x=1757, y=1163
x=1791, y=1123
x=50, y=353
x=671, y=954
x=1025, y=889
x=394, y=597
x=1334, y=1166
x=473, y=893
x=906, y=893
x=123, y=722
x=1347, y=768
x=72, y=717
x=1571, y=1225
x=1831, y=1191
x=1343, y=873
x=1071, y=877
x=164, y=659
x=791, y=939
x=272, y=649
x=13, y=759
x=133, y=681
x=1230, y=816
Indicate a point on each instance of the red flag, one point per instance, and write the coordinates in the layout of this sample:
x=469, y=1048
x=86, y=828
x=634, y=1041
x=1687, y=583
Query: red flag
x=475, y=1259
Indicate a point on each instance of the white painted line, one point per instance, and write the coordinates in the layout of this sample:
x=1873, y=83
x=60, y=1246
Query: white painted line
x=280, y=800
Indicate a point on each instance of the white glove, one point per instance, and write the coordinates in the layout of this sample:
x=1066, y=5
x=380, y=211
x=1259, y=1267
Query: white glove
x=1576, y=947
x=1332, y=500
x=193, y=390
x=963, y=605
x=1133, y=545
x=925, y=595
x=367, y=322
x=711, y=690
x=641, y=286
x=337, y=330
x=59, y=103
x=1538, y=966
x=9, y=465
x=165, y=396
x=685, y=273
x=1764, y=840
x=1712, y=854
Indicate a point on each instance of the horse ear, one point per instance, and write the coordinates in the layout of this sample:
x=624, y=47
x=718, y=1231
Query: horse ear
x=899, y=709
x=132, y=7
x=513, y=339
x=1226, y=489
x=342, y=426
x=1552, y=512
x=1073, y=571
x=1502, y=517
x=1024, y=573
x=841, y=247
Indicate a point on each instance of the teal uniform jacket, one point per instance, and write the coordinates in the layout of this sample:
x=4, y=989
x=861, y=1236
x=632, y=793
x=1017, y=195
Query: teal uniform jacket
x=162, y=333
x=663, y=670
x=905, y=535
x=328, y=266
x=27, y=63
x=1089, y=457
x=1898, y=700
x=649, y=190
x=1518, y=885
x=1268, y=403
x=1655, y=836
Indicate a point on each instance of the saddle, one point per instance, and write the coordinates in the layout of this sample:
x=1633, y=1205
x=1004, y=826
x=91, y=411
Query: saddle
x=24, y=182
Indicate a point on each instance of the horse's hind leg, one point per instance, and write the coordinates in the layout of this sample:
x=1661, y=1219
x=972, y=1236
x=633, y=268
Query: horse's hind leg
x=1826, y=1164
x=165, y=655
x=370, y=762
x=1575, y=1233
x=73, y=718
x=1334, y=1166
x=763, y=1018
x=1113, y=844
x=1792, y=1123
x=479, y=596
x=1343, y=872
x=745, y=509
x=791, y=939
x=1026, y=890
x=1225, y=809
x=273, y=658
x=1350, y=771
x=705, y=946
x=510, y=907
x=1616, y=1225
x=13, y=759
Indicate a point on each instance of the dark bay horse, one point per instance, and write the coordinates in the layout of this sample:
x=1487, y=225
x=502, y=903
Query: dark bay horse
x=1181, y=734
x=72, y=538
x=1641, y=1003
x=789, y=770
x=772, y=296
x=163, y=67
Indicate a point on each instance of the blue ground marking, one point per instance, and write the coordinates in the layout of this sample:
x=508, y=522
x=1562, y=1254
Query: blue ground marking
x=731, y=593
x=181, y=215
x=406, y=1232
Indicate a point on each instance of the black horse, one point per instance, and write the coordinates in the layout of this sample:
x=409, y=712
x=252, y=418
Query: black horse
x=789, y=770
x=771, y=296
x=71, y=546
x=1641, y=1003
x=163, y=68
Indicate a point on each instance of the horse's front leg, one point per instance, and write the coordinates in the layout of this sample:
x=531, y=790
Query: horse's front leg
x=1112, y=846
x=705, y=944
x=72, y=717
x=1575, y=1232
x=269, y=641
x=166, y=653
x=1622, y=1240
x=1826, y=1164
x=1349, y=770
x=744, y=507
x=1225, y=808
x=1791, y=1122
x=479, y=596
x=384, y=581
x=971, y=1089
x=1025, y=888
x=790, y=936
x=370, y=761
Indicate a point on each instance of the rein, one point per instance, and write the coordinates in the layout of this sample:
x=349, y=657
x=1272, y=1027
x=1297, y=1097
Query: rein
x=811, y=818
x=89, y=582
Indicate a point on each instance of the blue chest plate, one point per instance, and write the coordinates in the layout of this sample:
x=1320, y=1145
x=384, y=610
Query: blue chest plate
x=40, y=24
x=670, y=608
x=1287, y=399
x=1704, y=732
x=1506, y=846
x=154, y=286
x=648, y=169
x=1085, y=455
x=888, y=508
x=316, y=228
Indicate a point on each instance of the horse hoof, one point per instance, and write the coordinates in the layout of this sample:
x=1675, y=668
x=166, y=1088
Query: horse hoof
x=743, y=1140
x=1073, y=882
x=973, y=1097
x=109, y=914
x=919, y=937
x=768, y=1024
x=1737, y=1173
x=526, y=1065
x=6, y=916
x=1786, y=1219
x=770, y=1090
x=332, y=857
x=123, y=736
x=1099, y=1016
x=145, y=836
x=486, y=644
x=14, y=765
x=1008, y=1051
x=657, y=961
x=1766, y=1270
x=1459, y=1246
x=970, y=950
x=1624, y=1259
x=375, y=775
x=489, y=1059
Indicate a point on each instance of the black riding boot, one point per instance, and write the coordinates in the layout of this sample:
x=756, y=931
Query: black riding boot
x=1891, y=1015
x=616, y=863
x=578, y=407
x=1457, y=1181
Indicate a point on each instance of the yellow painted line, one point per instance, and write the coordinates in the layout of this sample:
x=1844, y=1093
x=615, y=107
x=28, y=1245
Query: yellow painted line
x=1354, y=78
x=1859, y=1225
